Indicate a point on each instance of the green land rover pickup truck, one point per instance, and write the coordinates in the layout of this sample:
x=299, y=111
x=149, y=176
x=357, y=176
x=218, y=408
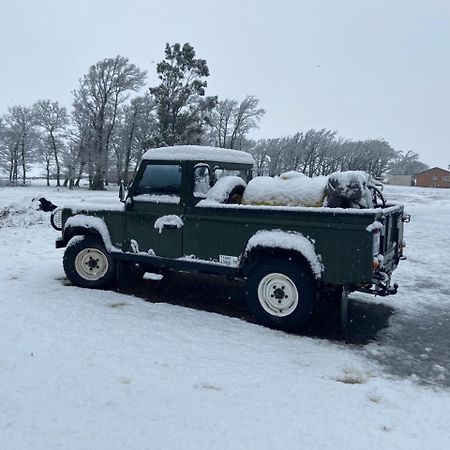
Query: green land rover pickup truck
x=287, y=255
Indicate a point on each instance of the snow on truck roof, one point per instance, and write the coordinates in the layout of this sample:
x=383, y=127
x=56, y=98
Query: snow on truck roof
x=198, y=153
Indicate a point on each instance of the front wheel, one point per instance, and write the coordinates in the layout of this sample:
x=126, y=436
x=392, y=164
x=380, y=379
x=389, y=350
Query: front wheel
x=280, y=294
x=88, y=264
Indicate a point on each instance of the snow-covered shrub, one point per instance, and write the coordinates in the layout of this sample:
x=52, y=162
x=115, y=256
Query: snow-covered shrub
x=23, y=213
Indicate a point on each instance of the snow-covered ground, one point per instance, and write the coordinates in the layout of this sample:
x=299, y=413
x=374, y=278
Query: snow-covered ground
x=83, y=369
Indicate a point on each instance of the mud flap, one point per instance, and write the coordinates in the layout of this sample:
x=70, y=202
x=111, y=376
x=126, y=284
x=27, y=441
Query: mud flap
x=122, y=282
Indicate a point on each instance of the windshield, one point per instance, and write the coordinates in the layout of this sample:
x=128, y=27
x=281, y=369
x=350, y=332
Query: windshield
x=159, y=179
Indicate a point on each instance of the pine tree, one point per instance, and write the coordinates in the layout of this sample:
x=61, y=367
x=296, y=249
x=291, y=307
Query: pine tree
x=182, y=107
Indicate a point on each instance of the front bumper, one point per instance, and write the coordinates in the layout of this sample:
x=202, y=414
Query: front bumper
x=60, y=243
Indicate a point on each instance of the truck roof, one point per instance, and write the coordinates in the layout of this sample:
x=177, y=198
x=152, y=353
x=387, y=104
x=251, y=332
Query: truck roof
x=198, y=153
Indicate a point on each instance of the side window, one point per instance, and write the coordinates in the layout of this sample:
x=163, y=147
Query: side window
x=160, y=184
x=202, y=180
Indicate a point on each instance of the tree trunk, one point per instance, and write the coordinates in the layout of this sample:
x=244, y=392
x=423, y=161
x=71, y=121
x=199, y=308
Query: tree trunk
x=97, y=183
x=55, y=154
x=11, y=169
x=80, y=174
x=24, y=166
x=47, y=170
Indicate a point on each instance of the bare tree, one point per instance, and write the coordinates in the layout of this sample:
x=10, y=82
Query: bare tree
x=407, y=164
x=4, y=151
x=21, y=139
x=54, y=120
x=102, y=90
x=138, y=124
x=231, y=121
x=45, y=155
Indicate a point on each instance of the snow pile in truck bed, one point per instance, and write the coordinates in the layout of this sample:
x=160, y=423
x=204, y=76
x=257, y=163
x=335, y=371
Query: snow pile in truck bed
x=290, y=189
x=349, y=189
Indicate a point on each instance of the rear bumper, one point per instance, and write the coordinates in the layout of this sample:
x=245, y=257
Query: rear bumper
x=381, y=284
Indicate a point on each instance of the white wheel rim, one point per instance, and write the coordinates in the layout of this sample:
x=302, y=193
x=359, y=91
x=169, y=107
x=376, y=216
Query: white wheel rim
x=278, y=294
x=91, y=264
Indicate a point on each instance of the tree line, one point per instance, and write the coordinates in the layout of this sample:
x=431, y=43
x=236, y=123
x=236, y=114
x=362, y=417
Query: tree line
x=115, y=118
x=321, y=152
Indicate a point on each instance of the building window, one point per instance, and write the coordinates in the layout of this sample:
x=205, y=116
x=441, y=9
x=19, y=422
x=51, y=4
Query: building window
x=434, y=178
x=446, y=179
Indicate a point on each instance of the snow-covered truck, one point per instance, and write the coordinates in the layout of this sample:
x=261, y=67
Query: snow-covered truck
x=187, y=210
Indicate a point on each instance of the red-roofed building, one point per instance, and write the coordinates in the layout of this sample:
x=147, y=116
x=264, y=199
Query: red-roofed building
x=435, y=177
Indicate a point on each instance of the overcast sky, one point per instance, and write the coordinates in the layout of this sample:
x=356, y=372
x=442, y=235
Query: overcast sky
x=366, y=68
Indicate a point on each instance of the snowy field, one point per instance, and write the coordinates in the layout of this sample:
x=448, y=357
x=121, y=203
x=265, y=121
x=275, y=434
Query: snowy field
x=83, y=369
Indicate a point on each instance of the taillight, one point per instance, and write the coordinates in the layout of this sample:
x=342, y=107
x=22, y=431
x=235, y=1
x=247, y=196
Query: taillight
x=376, y=242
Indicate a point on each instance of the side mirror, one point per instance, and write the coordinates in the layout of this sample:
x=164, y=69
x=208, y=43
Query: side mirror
x=122, y=193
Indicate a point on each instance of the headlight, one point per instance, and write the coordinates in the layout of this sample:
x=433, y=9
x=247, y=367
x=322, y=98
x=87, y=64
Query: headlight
x=56, y=219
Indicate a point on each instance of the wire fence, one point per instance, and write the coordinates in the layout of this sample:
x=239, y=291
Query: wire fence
x=6, y=182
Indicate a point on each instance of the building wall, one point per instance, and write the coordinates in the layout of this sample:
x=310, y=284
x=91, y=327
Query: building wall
x=401, y=180
x=435, y=177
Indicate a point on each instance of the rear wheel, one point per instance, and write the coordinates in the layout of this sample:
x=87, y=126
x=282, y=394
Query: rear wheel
x=280, y=294
x=88, y=264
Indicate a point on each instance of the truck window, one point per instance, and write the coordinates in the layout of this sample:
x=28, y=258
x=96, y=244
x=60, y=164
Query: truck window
x=219, y=173
x=160, y=183
x=202, y=181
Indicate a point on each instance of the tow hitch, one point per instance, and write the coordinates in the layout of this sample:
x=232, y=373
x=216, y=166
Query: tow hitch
x=381, y=285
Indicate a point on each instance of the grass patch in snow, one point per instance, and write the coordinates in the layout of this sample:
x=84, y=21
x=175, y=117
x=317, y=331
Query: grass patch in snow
x=118, y=304
x=352, y=377
x=207, y=386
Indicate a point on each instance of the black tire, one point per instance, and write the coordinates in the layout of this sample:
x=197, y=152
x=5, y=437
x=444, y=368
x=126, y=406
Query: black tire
x=292, y=292
x=88, y=264
x=236, y=195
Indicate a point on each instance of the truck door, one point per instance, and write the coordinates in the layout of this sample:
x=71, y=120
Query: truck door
x=213, y=234
x=154, y=216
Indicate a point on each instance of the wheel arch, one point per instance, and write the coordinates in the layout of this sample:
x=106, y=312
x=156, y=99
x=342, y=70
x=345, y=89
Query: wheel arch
x=70, y=232
x=83, y=225
x=287, y=245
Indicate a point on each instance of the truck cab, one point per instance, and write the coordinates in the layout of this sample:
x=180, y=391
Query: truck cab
x=173, y=186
